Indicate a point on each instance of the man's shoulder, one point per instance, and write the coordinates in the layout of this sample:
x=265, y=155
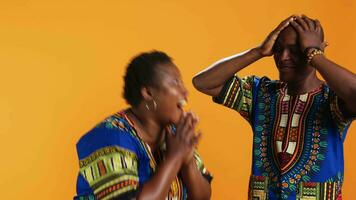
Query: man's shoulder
x=265, y=82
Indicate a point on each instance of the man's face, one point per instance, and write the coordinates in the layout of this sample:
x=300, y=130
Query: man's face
x=289, y=59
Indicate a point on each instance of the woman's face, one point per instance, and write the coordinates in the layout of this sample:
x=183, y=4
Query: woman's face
x=169, y=92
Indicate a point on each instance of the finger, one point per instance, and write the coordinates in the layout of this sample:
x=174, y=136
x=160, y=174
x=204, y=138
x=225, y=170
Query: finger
x=180, y=125
x=274, y=34
x=195, y=119
x=302, y=23
x=196, y=139
x=288, y=19
x=181, y=122
x=190, y=118
x=186, y=126
x=297, y=27
x=191, y=124
x=324, y=45
x=284, y=24
x=190, y=136
x=282, y=27
x=169, y=132
x=309, y=21
x=319, y=29
x=318, y=26
x=189, y=129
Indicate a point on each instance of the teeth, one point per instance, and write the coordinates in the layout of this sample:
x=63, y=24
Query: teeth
x=182, y=103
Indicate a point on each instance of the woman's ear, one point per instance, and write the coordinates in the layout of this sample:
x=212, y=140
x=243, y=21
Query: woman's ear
x=146, y=93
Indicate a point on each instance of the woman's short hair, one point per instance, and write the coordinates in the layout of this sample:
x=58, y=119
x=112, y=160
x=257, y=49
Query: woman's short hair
x=140, y=72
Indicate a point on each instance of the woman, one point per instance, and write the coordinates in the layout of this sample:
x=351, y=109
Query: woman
x=146, y=151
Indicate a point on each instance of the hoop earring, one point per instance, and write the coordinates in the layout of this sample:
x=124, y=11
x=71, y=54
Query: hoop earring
x=154, y=104
x=147, y=107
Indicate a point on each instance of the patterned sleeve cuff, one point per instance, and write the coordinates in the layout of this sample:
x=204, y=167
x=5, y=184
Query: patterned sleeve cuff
x=205, y=173
x=237, y=94
x=111, y=172
x=124, y=196
x=342, y=122
x=85, y=197
x=227, y=93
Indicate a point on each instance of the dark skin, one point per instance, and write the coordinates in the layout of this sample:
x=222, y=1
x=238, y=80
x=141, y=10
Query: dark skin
x=153, y=127
x=286, y=43
x=311, y=34
x=292, y=65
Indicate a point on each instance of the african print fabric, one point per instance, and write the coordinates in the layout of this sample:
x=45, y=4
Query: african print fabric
x=297, y=140
x=115, y=162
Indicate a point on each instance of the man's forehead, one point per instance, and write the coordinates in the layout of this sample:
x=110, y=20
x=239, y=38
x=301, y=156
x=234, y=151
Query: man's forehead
x=289, y=31
x=288, y=37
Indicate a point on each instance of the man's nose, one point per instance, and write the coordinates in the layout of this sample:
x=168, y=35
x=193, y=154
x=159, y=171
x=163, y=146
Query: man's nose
x=285, y=54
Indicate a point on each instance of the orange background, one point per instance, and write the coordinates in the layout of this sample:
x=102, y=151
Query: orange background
x=62, y=65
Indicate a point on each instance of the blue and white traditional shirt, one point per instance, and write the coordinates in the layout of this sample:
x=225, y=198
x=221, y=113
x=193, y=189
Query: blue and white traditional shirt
x=297, y=140
x=115, y=162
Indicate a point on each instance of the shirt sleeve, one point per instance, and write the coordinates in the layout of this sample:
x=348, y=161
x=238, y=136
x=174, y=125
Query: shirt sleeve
x=237, y=94
x=336, y=108
x=206, y=174
x=84, y=191
x=110, y=171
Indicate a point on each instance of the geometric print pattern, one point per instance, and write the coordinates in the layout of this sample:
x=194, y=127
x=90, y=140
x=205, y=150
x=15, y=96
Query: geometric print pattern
x=114, y=171
x=115, y=166
x=319, y=191
x=258, y=189
x=291, y=138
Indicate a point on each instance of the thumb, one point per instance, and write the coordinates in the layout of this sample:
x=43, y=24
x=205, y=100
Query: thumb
x=196, y=139
x=169, y=132
x=324, y=45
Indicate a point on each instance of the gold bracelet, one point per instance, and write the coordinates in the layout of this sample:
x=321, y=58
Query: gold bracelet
x=313, y=53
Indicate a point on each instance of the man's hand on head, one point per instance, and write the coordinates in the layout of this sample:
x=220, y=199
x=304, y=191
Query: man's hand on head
x=310, y=33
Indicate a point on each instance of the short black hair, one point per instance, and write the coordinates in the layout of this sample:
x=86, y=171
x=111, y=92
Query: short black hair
x=141, y=72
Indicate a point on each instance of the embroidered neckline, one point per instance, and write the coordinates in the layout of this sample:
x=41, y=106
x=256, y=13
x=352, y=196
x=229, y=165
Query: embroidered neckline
x=144, y=144
x=284, y=89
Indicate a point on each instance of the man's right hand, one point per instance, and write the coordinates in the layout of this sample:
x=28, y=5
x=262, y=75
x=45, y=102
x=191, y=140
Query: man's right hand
x=266, y=48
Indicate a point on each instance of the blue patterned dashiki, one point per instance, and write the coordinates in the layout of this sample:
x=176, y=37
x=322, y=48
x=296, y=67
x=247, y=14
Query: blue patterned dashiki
x=297, y=140
x=115, y=162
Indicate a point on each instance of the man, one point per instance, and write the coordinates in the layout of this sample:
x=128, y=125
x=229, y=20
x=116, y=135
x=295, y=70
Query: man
x=299, y=122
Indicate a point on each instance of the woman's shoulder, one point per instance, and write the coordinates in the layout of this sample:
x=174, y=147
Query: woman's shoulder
x=114, y=130
x=118, y=122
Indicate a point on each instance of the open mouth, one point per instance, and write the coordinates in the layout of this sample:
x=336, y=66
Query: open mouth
x=182, y=103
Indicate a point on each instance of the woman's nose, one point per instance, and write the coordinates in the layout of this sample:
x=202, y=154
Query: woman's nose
x=184, y=91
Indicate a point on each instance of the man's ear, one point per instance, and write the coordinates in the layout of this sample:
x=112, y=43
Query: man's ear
x=146, y=93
